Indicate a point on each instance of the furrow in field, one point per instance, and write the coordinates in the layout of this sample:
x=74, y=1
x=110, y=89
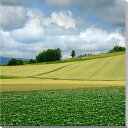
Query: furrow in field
x=101, y=68
x=30, y=70
x=53, y=70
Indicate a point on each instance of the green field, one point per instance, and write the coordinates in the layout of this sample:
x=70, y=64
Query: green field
x=85, y=107
x=81, y=93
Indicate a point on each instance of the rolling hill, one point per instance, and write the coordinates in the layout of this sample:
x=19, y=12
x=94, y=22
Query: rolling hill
x=109, y=68
x=106, y=70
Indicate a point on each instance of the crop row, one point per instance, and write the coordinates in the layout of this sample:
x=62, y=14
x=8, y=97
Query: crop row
x=83, y=107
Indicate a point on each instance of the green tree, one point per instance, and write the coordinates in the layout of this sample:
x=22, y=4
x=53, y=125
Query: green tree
x=59, y=55
x=15, y=62
x=117, y=49
x=31, y=61
x=49, y=55
x=20, y=62
x=73, y=53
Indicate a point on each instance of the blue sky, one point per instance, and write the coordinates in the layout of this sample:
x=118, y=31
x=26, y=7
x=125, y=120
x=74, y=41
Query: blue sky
x=30, y=26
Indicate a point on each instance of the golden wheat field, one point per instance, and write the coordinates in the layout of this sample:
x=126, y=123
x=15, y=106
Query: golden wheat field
x=31, y=84
x=103, y=72
x=110, y=68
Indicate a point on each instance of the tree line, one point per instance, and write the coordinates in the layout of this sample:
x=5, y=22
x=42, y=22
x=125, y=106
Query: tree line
x=51, y=55
x=48, y=55
x=117, y=49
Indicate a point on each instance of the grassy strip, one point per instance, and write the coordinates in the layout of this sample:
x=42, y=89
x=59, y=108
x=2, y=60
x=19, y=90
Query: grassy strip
x=72, y=79
x=47, y=78
x=7, y=77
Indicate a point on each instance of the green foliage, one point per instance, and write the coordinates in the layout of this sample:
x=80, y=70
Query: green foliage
x=73, y=53
x=117, y=49
x=84, y=107
x=49, y=55
x=6, y=77
x=79, y=56
x=31, y=61
x=15, y=62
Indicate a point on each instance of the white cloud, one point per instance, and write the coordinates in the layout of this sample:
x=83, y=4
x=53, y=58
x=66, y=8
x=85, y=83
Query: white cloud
x=31, y=32
x=38, y=26
x=98, y=39
x=92, y=40
x=12, y=16
x=35, y=13
x=56, y=31
x=12, y=48
x=112, y=11
x=7, y=41
x=63, y=18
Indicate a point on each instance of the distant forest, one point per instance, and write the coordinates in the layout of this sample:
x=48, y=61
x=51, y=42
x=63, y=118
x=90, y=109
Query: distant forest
x=51, y=55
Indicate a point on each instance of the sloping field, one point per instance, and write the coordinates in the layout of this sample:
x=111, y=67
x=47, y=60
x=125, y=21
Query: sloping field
x=30, y=70
x=82, y=93
x=110, y=68
x=103, y=72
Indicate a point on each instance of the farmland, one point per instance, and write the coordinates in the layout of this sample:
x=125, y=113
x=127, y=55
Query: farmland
x=80, y=93
x=31, y=84
x=96, y=69
x=82, y=107
x=102, y=72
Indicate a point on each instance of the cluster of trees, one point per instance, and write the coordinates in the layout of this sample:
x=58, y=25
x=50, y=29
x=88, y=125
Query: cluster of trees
x=15, y=62
x=45, y=56
x=20, y=62
x=49, y=55
x=31, y=61
x=85, y=55
x=117, y=49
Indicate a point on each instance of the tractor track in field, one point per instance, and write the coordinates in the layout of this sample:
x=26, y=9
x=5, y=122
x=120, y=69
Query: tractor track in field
x=100, y=69
x=51, y=71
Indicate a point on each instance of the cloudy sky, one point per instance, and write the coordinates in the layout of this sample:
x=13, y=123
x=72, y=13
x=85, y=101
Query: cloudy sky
x=28, y=27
